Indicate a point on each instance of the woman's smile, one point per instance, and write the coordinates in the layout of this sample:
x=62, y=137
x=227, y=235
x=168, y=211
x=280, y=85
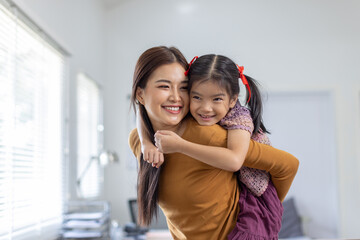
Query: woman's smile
x=173, y=109
x=166, y=97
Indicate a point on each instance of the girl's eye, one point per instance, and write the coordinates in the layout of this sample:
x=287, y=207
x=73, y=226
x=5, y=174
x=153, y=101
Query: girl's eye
x=218, y=99
x=184, y=88
x=163, y=86
x=196, y=97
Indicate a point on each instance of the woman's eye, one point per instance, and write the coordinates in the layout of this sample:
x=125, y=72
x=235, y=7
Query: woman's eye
x=184, y=88
x=163, y=86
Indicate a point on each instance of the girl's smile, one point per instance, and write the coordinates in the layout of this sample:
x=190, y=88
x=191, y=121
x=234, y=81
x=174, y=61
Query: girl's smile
x=209, y=102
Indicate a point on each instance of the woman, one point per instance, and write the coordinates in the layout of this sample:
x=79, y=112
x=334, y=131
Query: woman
x=199, y=201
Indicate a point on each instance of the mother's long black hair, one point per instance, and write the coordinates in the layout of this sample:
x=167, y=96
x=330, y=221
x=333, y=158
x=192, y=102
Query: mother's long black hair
x=223, y=71
x=148, y=176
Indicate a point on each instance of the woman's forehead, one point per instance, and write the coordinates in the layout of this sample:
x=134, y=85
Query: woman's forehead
x=171, y=73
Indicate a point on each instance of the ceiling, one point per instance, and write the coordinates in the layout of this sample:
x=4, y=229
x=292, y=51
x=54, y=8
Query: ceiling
x=112, y=3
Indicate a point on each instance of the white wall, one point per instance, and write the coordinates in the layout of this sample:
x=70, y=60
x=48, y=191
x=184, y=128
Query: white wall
x=302, y=123
x=284, y=44
x=78, y=27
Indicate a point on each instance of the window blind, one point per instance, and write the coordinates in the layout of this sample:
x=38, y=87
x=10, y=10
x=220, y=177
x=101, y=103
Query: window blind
x=89, y=137
x=32, y=74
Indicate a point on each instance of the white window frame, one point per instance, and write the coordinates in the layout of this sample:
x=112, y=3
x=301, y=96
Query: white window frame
x=90, y=175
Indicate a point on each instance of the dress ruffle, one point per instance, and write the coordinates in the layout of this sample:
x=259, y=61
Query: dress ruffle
x=250, y=236
x=238, y=117
x=259, y=217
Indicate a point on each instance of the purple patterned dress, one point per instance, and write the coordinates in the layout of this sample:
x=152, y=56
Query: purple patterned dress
x=260, y=208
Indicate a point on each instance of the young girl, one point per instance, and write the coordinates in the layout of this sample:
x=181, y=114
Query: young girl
x=214, y=90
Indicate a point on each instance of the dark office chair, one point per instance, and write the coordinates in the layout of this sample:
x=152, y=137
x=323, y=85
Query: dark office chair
x=159, y=223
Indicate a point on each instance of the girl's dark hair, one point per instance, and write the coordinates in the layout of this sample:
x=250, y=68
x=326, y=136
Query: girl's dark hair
x=224, y=72
x=148, y=176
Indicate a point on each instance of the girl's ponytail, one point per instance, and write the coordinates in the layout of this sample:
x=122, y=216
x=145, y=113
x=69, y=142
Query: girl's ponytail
x=255, y=105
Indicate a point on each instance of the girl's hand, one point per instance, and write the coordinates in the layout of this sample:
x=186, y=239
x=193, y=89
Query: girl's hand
x=168, y=141
x=152, y=155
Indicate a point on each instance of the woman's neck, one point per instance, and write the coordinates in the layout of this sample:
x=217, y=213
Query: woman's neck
x=178, y=129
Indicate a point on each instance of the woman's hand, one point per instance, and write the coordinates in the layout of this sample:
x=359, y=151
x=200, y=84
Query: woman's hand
x=152, y=155
x=168, y=141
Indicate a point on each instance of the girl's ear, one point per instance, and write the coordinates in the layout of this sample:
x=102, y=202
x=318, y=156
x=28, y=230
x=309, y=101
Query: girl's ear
x=140, y=95
x=233, y=101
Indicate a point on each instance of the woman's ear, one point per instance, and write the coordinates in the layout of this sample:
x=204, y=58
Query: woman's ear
x=140, y=95
x=233, y=101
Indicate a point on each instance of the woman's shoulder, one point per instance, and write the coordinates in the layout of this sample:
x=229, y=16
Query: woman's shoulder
x=208, y=135
x=134, y=142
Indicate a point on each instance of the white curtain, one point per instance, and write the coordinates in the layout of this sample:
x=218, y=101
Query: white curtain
x=32, y=74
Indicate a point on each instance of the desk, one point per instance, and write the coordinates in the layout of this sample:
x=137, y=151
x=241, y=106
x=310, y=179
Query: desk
x=151, y=235
x=86, y=220
x=158, y=235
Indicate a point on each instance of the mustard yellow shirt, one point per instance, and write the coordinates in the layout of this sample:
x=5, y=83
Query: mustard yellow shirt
x=201, y=201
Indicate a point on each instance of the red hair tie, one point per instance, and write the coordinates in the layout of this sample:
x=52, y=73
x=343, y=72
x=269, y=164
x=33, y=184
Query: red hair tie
x=192, y=61
x=244, y=80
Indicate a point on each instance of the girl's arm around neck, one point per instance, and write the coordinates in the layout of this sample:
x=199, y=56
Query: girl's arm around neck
x=229, y=159
x=238, y=142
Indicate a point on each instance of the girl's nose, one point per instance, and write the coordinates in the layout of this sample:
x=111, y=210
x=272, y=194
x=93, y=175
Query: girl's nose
x=206, y=107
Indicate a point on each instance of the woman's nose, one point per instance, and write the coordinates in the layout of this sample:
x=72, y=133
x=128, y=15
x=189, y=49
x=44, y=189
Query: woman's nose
x=175, y=96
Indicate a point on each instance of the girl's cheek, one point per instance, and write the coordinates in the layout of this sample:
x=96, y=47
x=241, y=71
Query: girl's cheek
x=192, y=104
